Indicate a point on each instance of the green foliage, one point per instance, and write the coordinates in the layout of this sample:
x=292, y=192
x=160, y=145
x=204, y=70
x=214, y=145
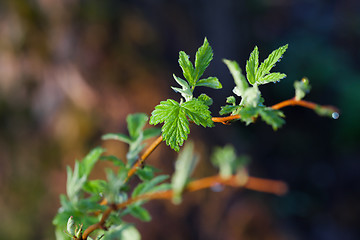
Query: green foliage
x=81, y=207
x=301, y=88
x=135, y=123
x=226, y=160
x=184, y=166
x=175, y=116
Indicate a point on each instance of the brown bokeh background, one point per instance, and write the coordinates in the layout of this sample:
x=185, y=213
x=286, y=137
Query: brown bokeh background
x=71, y=71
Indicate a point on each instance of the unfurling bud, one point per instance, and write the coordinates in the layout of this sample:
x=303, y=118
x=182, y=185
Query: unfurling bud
x=71, y=226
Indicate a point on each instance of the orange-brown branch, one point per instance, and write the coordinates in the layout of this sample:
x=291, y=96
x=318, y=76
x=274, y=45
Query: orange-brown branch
x=253, y=183
x=143, y=157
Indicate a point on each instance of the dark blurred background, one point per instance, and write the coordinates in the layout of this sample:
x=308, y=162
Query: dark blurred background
x=71, y=71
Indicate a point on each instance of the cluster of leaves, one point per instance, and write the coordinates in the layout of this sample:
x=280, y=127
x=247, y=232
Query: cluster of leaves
x=251, y=105
x=84, y=205
x=82, y=202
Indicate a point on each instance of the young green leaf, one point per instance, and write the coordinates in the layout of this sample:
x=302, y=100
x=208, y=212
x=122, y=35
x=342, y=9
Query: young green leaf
x=272, y=77
x=184, y=167
x=117, y=136
x=239, y=78
x=211, y=82
x=272, y=117
x=139, y=212
x=252, y=66
x=148, y=186
x=203, y=58
x=87, y=164
x=269, y=63
x=187, y=68
x=205, y=99
x=123, y=232
x=185, y=91
x=174, y=116
x=135, y=123
x=301, y=88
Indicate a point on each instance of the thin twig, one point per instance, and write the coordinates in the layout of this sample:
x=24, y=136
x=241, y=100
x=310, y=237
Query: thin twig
x=253, y=183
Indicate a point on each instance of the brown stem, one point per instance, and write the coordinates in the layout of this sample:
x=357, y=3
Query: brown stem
x=143, y=157
x=253, y=183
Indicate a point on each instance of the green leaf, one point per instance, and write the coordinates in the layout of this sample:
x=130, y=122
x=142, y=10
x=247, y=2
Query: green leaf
x=151, y=132
x=225, y=158
x=87, y=164
x=272, y=117
x=75, y=182
x=187, y=68
x=272, y=77
x=136, y=123
x=139, y=212
x=227, y=109
x=185, y=91
x=174, y=116
x=176, y=126
x=95, y=186
x=198, y=112
x=123, y=232
x=270, y=62
x=239, y=78
x=251, y=97
x=252, y=66
x=146, y=187
x=203, y=58
x=301, y=88
x=184, y=167
x=248, y=114
x=211, y=82
x=146, y=173
x=116, y=161
x=205, y=99
x=117, y=136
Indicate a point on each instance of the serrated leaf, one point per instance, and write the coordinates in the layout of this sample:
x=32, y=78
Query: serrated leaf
x=205, y=99
x=198, y=112
x=211, y=82
x=202, y=60
x=117, y=136
x=135, y=124
x=174, y=116
x=272, y=77
x=248, y=114
x=140, y=213
x=252, y=66
x=239, y=78
x=272, y=117
x=176, y=126
x=187, y=68
x=227, y=109
x=270, y=62
x=184, y=167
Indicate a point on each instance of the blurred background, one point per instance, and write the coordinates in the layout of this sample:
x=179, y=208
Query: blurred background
x=71, y=71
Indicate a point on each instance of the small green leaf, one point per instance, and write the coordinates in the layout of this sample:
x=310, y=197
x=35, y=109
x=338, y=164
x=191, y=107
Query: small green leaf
x=205, y=99
x=198, y=112
x=184, y=167
x=272, y=77
x=272, y=117
x=227, y=109
x=146, y=173
x=176, y=126
x=252, y=66
x=87, y=164
x=248, y=114
x=270, y=62
x=117, y=136
x=203, y=58
x=116, y=161
x=211, y=82
x=185, y=91
x=139, y=212
x=123, y=232
x=239, y=78
x=136, y=123
x=251, y=97
x=301, y=88
x=187, y=68
x=148, y=186
x=95, y=186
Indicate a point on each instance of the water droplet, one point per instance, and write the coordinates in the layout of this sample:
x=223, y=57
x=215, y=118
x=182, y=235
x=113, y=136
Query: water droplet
x=217, y=187
x=335, y=115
